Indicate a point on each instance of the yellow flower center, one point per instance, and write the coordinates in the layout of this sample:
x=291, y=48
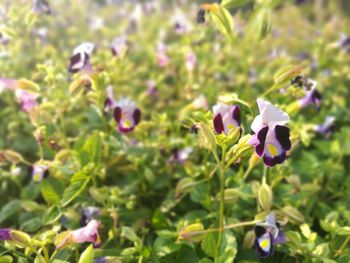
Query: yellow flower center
x=265, y=244
x=272, y=149
x=127, y=123
x=36, y=177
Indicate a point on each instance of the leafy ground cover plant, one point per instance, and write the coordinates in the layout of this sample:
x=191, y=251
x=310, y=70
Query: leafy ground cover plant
x=174, y=131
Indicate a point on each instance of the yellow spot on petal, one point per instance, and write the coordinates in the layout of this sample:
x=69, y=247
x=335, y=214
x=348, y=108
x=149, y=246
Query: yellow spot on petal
x=37, y=177
x=272, y=149
x=127, y=124
x=265, y=244
x=230, y=126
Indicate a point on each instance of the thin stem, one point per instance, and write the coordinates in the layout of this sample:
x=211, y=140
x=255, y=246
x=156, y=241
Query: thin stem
x=264, y=175
x=247, y=172
x=340, y=251
x=222, y=200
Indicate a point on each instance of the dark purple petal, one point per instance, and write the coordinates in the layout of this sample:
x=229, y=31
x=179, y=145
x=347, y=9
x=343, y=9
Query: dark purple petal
x=46, y=173
x=201, y=16
x=73, y=61
x=218, y=124
x=117, y=113
x=259, y=149
x=137, y=116
x=5, y=234
x=125, y=130
x=236, y=115
x=272, y=161
x=282, y=135
x=259, y=231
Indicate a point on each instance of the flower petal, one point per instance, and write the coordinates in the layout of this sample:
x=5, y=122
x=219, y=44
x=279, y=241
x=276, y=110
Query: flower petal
x=259, y=149
x=282, y=135
x=218, y=124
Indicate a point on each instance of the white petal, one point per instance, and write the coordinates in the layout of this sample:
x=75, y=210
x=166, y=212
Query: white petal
x=271, y=115
x=257, y=124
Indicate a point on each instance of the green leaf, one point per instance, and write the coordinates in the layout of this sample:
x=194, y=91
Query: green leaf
x=209, y=244
x=91, y=150
x=51, y=188
x=130, y=234
x=79, y=182
x=9, y=209
x=228, y=249
x=233, y=3
x=52, y=215
x=221, y=18
x=165, y=246
x=88, y=255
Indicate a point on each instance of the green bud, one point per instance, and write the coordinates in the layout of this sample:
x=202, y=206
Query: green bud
x=20, y=238
x=206, y=137
x=194, y=233
x=265, y=197
x=294, y=216
x=249, y=239
x=28, y=85
x=285, y=74
x=11, y=156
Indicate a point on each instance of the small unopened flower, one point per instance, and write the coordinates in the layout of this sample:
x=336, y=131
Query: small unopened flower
x=80, y=60
x=89, y=213
x=39, y=172
x=127, y=115
x=26, y=99
x=191, y=61
x=181, y=156
x=344, y=42
x=162, y=57
x=5, y=234
x=119, y=46
x=201, y=16
x=226, y=117
x=267, y=235
x=327, y=127
x=271, y=139
x=41, y=6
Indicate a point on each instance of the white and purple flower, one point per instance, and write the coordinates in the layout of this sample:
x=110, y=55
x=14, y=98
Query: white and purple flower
x=313, y=96
x=41, y=6
x=268, y=234
x=80, y=60
x=327, y=127
x=181, y=156
x=39, y=172
x=127, y=115
x=181, y=23
x=119, y=46
x=271, y=138
x=89, y=213
x=226, y=117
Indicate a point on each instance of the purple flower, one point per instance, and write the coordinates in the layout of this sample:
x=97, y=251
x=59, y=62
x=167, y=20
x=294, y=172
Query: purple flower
x=344, y=42
x=191, y=61
x=4, y=40
x=127, y=115
x=327, y=127
x=89, y=213
x=119, y=46
x=271, y=138
x=181, y=23
x=80, y=60
x=101, y=260
x=268, y=234
x=41, y=6
x=162, y=58
x=312, y=97
x=39, y=172
x=151, y=88
x=226, y=117
x=26, y=99
x=181, y=156
x=5, y=234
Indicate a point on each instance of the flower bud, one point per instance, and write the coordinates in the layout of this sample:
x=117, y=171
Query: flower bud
x=20, y=238
x=206, y=137
x=249, y=239
x=265, y=197
x=294, y=216
x=11, y=156
x=28, y=85
x=194, y=233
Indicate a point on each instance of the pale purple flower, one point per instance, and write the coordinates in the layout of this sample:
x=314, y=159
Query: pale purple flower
x=162, y=58
x=89, y=233
x=110, y=102
x=344, y=42
x=191, y=61
x=181, y=156
x=41, y=6
x=268, y=234
x=9, y=84
x=151, y=88
x=127, y=115
x=312, y=97
x=226, y=117
x=327, y=127
x=80, y=60
x=39, y=172
x=89, y=213
x=4, y=40
x=180, y=22
x=119, y=46
x=271, y=138
x=26, y=99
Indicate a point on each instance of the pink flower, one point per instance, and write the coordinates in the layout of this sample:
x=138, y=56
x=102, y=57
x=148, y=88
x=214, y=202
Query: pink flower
x=10, y=84
x=162, y=58
x=26, y=99
x=191, y=61
x=89, y=233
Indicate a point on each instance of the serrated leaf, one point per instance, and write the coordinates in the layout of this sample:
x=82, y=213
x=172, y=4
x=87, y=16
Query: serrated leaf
x=51, y=188
x=78, y=184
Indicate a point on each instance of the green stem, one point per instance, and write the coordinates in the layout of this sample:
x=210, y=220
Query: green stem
x=340, y=251
x=222, y=200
